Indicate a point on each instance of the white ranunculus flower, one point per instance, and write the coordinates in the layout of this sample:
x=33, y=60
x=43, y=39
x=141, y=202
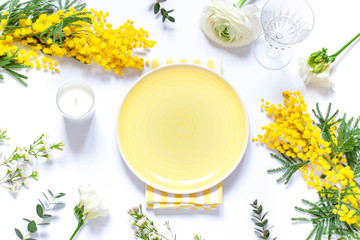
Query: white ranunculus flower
x=230, y=26
x=321, y=79
x=93, y=206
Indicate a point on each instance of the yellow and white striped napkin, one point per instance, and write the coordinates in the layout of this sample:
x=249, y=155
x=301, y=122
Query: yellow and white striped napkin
x=207, y=199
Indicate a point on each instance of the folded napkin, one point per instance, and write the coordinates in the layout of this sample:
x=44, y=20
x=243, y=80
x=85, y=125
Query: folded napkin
x=207, y=199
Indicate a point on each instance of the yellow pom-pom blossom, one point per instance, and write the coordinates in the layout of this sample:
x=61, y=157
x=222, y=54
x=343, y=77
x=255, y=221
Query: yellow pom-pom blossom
x=293, y=134
x=111, y=48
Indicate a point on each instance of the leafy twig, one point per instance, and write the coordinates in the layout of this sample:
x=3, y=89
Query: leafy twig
x=41, y=211
x=325, y=220
x=260, y=221
x=163, y=11
x=16, y=163
x=290, y=166
x=145, y=228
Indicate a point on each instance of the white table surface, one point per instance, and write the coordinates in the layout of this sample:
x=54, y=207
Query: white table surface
x=91, y=153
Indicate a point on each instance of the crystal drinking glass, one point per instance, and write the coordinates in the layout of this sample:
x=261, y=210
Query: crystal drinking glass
x=285, y=23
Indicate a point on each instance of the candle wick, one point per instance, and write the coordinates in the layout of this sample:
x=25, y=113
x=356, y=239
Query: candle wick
x=76, y=101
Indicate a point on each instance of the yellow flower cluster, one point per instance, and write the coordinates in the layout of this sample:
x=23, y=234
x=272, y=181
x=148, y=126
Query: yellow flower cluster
x=97, y=42
x=293, y=134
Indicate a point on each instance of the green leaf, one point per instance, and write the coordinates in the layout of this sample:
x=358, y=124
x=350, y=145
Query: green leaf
x=39, y=210
x=156, y=8
x=32, y=227
x=43, y=224
x=41, y=204
x=30, y=239
x=46, y=216
x=51, y=194
x=27, y=220
x=18, y=233
x=163, y=16
x=171, y=19
x=60, y=195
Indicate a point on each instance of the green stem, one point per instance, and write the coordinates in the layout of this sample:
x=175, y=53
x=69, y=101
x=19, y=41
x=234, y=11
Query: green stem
x=240, y=3
x=345, y=46
x=81, y=222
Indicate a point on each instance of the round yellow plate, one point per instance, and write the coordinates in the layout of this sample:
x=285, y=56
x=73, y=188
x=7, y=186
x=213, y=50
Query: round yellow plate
x=182, y=128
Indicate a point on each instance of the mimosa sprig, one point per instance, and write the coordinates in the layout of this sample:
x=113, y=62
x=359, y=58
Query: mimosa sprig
x=326, y=151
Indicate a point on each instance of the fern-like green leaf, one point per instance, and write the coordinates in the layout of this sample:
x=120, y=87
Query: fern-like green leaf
x=289, y=165
x=55, y=31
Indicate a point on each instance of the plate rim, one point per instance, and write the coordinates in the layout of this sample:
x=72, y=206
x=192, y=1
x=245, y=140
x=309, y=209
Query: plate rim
x=193, y=190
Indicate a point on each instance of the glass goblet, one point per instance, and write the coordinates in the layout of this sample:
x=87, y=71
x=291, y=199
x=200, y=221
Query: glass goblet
x=285, y=23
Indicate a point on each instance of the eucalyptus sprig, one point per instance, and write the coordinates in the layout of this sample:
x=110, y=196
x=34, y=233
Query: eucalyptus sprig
x=42, y=210
x=260, y=221
x=145, y=228
x=16, y=164
x=164, y=13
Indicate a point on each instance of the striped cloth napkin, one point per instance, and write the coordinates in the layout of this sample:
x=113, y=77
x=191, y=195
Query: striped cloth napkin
x=207, y=199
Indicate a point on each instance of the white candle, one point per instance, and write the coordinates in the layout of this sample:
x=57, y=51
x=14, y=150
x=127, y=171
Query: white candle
x=75, y=100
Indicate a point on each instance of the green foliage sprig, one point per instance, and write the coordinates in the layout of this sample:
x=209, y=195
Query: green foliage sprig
x=289, y=165
x=42, y=210
x=260, y=221
x=343, y=136
x=325, y=221
x=55, y=31
x=16, y=164
x=145, y=228
x=32, y=9
x=9, y=64
x=164, y=13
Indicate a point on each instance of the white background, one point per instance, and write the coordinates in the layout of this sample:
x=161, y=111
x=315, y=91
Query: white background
x=91, y=154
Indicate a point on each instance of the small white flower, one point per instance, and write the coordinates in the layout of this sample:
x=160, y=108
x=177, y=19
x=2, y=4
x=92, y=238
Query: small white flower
x=12, y=168
x=141, y=222
x=146, y=231
x=30, y=159
x=21, y=166
x=152, y=236
x=15, y=187
x=47, y=148
x=19, y=152
x=230, y=26
x=93, y=207
x=321, y=79
x=26, y=183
